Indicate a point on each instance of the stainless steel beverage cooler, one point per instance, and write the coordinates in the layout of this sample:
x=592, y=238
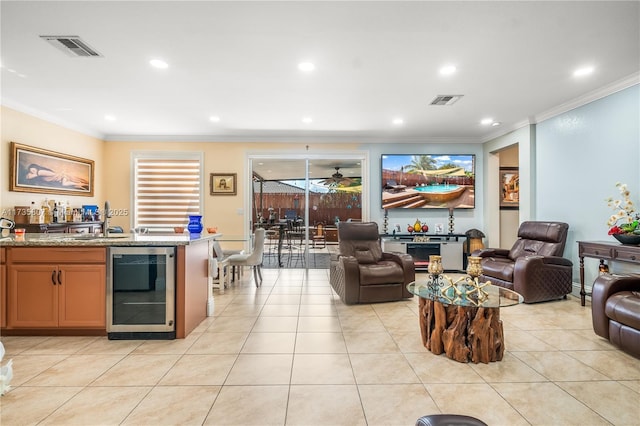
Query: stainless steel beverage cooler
x=141, y=293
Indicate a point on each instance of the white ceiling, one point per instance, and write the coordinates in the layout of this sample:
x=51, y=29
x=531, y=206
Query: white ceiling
x=375, y=61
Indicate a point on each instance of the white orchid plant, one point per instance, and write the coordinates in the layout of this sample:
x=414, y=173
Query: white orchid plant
x=625, y=220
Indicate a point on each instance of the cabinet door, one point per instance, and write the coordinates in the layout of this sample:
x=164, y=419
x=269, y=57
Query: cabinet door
x=3, y=296
x=451, y=253
x=82, y=296
x=32, y=296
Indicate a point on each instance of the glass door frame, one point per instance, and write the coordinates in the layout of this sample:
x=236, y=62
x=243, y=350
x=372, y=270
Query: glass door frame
x=360, y=156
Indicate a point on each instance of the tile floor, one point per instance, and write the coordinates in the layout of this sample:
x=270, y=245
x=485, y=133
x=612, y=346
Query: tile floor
x=290, y=353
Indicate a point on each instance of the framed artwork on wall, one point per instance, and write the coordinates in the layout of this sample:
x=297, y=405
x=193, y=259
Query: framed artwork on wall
x=509, y=188
x=223, y=183
x=39, y=170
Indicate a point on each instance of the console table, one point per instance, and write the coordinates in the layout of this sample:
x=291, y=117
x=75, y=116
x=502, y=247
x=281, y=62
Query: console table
x=605, y=251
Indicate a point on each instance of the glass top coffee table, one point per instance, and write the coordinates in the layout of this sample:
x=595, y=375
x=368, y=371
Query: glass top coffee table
x=488, y=296
x=462, y=318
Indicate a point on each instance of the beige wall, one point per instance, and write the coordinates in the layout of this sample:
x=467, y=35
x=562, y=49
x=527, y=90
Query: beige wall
x=523, y=139
x=509, y=219
x=113, y=168
x=228, y=213
x=29, y=130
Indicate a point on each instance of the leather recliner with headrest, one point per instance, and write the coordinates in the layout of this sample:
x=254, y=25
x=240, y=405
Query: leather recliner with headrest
x=615, y=310
x=534, y=266
x=362, y=273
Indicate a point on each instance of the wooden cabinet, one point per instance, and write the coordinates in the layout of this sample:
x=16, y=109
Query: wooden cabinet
x=3, y=289
x=331, y=234
x=56, y=287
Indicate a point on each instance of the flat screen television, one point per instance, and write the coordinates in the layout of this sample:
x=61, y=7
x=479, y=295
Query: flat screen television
x=428, y=181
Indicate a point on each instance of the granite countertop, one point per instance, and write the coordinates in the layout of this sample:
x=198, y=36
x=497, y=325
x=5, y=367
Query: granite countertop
x=91, y=240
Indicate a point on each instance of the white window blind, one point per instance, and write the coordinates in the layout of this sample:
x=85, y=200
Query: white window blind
x=166, y=191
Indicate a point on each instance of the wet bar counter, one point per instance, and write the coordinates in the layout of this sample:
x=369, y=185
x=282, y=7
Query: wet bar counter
x=54, y=310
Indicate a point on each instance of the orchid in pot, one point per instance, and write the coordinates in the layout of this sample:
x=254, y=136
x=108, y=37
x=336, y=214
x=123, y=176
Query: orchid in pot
x=624, y=224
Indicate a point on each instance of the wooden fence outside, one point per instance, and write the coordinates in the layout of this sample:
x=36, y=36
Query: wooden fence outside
x=323, y=207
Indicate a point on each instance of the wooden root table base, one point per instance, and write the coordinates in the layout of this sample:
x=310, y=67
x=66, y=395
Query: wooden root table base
x=462, y=333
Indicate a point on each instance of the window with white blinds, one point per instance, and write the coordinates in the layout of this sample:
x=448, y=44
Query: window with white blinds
x=166, y=190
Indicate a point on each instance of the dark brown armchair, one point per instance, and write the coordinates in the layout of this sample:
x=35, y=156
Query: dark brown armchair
x=534, y=267
x=362, y=273
x=615, y=309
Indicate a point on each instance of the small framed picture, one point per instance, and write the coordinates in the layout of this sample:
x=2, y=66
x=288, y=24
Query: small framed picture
x=509, y=188
x=439, y=228
x=223, y=183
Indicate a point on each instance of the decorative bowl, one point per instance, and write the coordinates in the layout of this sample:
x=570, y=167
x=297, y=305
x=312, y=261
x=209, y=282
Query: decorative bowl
x=179, y=229
x=212, y=229
x=632, y=239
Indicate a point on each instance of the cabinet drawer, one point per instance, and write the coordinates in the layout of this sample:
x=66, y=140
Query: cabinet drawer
x=57, y=255
x=331, y=235
x=628, y=255
x=601, y=252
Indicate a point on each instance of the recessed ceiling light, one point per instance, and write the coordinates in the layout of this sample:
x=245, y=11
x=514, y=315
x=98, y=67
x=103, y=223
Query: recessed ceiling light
x=448, y=69
x=486, y=121
x=110, y=117
x=158, y=63
x=496, y=123
x=581, y=72
x=307, y=120
x=306, y=66
x=214, y=118
x=398, y=121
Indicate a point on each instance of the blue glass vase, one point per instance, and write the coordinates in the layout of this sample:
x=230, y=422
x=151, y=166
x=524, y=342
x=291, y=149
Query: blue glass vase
x=195, y=224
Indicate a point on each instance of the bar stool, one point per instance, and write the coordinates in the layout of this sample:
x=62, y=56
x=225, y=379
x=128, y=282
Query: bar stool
x=219, y=268
x=219, y=273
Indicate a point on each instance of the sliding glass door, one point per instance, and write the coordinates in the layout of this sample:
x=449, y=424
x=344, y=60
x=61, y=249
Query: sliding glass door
x=292, y=196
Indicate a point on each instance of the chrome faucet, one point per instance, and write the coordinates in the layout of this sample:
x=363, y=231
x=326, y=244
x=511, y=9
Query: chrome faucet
x=107, y=216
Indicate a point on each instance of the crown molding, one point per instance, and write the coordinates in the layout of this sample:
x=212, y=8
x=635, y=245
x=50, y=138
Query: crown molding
x=51, y=118
x=594, y=95
x=317, y=138
x=589, y=97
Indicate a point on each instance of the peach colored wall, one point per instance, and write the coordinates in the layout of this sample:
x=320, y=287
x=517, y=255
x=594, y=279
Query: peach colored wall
x=113, y=167
x=29, y=130
x=219, y=157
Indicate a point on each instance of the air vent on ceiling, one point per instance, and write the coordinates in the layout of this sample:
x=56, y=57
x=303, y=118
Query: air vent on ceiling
x=445, y=99
x=72, y=46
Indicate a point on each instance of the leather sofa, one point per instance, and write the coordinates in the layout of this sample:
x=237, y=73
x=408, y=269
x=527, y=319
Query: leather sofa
x=615, y=310
x=362, y=273
x=534, y=266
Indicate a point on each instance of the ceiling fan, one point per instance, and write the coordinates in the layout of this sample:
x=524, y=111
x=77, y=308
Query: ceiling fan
x=337, y=179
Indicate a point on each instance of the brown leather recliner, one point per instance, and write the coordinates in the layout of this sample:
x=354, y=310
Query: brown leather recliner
x=615, y=310
x=534, y=267
x=362, y=273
